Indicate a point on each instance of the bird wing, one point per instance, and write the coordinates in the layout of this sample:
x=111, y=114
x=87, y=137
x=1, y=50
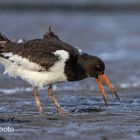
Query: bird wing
x=55, y=41
x=31, y=57
x=37, y=54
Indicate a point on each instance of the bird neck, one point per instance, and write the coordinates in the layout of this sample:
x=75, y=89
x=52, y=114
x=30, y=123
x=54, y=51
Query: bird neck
x=74, y=70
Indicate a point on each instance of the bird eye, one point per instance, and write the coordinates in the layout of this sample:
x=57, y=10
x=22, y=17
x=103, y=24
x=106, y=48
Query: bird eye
x=99, y=67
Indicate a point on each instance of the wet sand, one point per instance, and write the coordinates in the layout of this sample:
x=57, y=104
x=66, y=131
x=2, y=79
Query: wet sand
x=88, y=117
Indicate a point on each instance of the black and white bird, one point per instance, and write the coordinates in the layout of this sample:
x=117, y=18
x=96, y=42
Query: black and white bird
x=43, y=62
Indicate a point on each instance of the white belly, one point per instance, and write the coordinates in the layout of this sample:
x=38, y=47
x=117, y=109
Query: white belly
x=35, y=78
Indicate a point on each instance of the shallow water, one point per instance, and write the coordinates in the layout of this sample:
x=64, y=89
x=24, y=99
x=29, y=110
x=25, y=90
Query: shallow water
x=115, y=37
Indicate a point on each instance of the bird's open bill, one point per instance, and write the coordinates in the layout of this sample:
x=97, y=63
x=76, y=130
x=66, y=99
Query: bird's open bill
x=105, y=79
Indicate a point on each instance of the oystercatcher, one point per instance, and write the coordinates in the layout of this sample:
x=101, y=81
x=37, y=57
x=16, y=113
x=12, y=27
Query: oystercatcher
x=43, y=62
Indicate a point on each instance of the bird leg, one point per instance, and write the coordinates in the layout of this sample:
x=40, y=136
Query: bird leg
x=35, y=94
x=54, y=100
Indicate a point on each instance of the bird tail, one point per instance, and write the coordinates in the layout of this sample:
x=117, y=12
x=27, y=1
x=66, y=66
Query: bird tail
x=3, y=42
x=3, y=38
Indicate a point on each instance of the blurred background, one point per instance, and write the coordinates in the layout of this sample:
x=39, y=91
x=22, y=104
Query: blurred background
x=109, y=29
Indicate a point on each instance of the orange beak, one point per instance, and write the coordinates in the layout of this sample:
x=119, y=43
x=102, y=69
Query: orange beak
x=105, y=79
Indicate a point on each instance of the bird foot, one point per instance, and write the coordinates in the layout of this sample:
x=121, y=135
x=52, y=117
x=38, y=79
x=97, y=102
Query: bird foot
x=63, y=113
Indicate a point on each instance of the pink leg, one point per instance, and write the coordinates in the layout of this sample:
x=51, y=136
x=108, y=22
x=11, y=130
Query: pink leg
x=54, y=100
x=35, y=94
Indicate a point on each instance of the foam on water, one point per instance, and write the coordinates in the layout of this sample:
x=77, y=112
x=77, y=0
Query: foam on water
x=15, y=90
x=130, y=85
x=73, y=87
x=133, y=82
x=55, y=88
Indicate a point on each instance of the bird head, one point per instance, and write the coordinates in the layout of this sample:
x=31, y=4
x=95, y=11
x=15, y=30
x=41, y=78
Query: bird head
x=95, y=67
